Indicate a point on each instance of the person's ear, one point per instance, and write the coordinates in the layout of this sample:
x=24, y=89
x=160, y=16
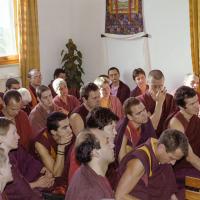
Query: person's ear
x=129, y=117
x=95, y=153
x=53, y=132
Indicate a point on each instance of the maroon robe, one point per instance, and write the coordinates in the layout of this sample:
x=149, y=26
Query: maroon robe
x=71, y=91
x=137, y=92
x=34, y=100
x=82, y=111
x=25, y=169
x=168, y=107
x=147, y=131
x=72, y=103
x=87, y=185
x=160, y=185
x=183, y=168
x=50, y=144
x=123, y=92
x=23, y=128
x=74, y=165
x=38, y=118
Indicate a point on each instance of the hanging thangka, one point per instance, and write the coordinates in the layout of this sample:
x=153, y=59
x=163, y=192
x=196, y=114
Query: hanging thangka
x=124, y=17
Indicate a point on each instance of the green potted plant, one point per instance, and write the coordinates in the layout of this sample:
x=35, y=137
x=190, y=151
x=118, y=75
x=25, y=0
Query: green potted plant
x=71, y=63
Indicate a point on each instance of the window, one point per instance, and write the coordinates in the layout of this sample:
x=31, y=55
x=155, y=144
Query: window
x=8, y=32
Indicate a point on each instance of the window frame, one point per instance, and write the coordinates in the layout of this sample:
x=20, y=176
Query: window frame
x=12, y=59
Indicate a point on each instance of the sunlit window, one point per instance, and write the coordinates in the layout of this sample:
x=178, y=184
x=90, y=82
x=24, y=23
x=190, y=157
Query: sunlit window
x=8, y=32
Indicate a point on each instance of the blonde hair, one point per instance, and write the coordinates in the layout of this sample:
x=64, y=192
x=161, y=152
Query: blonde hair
x=99, y=81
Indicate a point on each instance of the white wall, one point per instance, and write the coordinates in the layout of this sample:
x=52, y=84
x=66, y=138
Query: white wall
x=54, y=31
x=167, y=21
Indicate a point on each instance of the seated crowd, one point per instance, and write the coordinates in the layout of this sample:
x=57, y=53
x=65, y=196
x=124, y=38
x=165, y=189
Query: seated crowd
x=106, y=142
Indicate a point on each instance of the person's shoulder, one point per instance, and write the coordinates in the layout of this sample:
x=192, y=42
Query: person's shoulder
x=124, y=85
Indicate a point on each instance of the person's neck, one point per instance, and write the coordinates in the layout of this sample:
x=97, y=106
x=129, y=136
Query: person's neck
x=34, y=86
x=64, y=98
x=6, y=148
x=143, y=89
x=46, y=108
x=87, y=107
x=136, y=125
x=4, y=111
x=2, y=186
x=99, y=168
x=186, y=115
x=115, y=84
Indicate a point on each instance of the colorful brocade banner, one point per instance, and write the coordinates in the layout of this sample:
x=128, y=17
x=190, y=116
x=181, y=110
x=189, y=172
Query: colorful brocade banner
x=124, y=17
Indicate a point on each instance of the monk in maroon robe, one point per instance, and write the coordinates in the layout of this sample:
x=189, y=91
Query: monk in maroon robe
x=52, y=147
x=39, y=114
x=187, y=121
x=157, y=101
x=89, y=180
x=146, y=173
x=12, y=110
x=35, y=80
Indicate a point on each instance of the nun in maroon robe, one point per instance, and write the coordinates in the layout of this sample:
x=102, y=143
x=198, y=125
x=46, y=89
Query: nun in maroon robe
x=168, y=107
x=158, y=182
x=72, y=103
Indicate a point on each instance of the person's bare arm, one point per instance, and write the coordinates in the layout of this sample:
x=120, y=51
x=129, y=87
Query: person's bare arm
x=54, y=166
x=134, y=172
x=123, y=150
x=155, y=117
x=176, y=124
x=76, y=123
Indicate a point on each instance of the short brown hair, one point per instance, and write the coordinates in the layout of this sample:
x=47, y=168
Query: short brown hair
x=86, y=89
x=40, y=89
x=156, y=74
x=11, y=94
x=132, y=101
x=174, y=139
x=84, y=145
x=137, y=72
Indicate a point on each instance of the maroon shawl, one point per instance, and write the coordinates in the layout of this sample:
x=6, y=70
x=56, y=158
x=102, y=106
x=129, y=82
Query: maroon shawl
x=86, y=184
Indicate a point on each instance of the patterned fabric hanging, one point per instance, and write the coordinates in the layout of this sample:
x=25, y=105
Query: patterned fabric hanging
x=124, y=17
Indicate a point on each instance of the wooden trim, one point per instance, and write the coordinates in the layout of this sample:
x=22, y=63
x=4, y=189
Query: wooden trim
x=192, y=182
x=6, y=60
